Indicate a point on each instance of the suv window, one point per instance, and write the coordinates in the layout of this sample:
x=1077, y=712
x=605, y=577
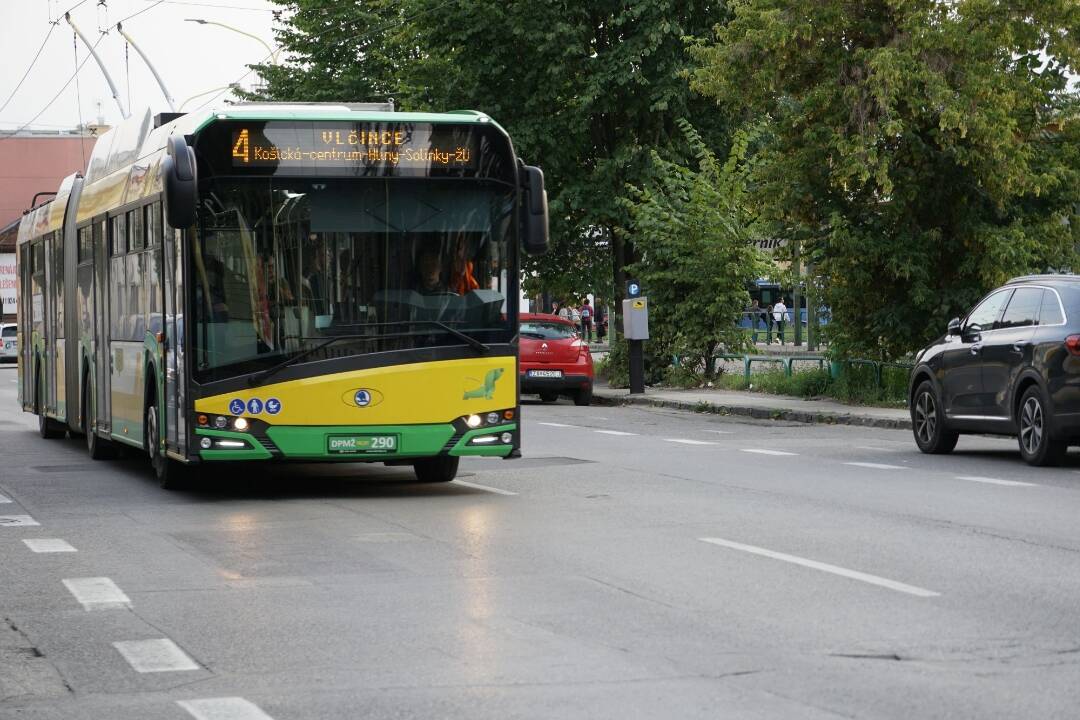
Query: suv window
x=1050, y=314
x=986, y=314
x=1023, y=308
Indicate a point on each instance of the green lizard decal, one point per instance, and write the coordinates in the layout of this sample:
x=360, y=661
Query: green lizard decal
x=487, y=390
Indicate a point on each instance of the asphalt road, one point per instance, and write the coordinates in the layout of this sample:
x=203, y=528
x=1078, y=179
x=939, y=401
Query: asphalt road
x=635, y=564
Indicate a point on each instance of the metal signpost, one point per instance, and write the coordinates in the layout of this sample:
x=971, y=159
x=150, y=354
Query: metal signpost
x=635, y=313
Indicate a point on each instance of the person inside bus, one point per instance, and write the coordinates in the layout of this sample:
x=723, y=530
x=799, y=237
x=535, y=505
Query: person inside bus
x=463, y=281
x=430, y=278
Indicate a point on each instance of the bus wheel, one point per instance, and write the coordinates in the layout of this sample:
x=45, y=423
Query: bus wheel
x=436, y=469
x=47, y=427
x=96, y=447
x=171, y=475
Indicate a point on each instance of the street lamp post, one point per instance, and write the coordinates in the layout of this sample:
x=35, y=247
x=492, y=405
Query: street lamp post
x=272, y=53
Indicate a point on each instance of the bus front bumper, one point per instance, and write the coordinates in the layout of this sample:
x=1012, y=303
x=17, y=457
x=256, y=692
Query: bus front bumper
x=358, y=443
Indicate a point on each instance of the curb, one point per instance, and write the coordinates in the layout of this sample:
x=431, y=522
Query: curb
x=758, y=412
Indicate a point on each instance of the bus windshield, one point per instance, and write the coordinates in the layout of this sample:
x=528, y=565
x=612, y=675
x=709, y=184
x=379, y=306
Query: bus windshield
x=282, y=265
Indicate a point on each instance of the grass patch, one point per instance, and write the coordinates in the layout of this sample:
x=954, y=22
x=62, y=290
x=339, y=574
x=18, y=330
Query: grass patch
x=856, y=385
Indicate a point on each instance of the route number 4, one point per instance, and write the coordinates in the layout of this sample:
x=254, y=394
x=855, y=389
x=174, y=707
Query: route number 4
x=240, y=149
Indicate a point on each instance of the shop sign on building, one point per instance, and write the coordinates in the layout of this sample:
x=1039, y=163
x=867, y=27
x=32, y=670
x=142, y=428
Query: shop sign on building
x=8, y=296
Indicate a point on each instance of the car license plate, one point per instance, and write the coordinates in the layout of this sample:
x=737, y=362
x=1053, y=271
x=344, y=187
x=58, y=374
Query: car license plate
x=545, y=373
x=361, y=444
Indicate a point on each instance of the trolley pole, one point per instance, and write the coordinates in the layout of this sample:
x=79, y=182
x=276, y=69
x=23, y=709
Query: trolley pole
x=108, y=78
x=153, y=70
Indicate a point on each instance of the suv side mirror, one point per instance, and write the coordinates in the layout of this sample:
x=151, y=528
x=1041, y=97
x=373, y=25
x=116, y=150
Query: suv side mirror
x=534, y=213
x=179, y=181
x=954, y=326
x=972, y=332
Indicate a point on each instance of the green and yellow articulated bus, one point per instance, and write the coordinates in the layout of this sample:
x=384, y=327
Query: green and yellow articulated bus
x=283, y=283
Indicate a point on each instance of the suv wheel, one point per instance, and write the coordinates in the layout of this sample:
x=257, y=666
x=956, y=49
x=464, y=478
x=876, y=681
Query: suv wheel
x=1037, y=445
x=928, y=422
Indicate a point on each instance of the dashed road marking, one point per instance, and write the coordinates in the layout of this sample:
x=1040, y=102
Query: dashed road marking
x=152, y=656
x=721, y=432
x=995, y=481
x=825, y=567
x=558, y=425
x=17, y=521
x=685, y=441
x=97, y=593
x=224, y=708
x=618, y=433
x=758, y=451
x=876, y=466
x=49, y=545
x=486, y=488
x=875, y=448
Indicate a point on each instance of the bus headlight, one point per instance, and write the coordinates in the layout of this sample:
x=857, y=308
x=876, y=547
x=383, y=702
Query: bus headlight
x=473, y=421
x=220, y=421
x=492, y=418
x=506, y=437
x=206, y=443
x=240, y=424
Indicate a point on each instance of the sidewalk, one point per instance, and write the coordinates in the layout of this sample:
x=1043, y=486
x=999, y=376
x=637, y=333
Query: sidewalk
x=760, y=405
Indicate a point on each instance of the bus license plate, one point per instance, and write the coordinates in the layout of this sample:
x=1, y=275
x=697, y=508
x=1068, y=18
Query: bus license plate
x=361, y=444
x=545, y=373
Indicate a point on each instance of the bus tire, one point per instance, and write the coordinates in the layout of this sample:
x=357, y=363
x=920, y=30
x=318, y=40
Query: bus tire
x=47, y=427
x=96, y=447
x=170, y=475
x=436, y=469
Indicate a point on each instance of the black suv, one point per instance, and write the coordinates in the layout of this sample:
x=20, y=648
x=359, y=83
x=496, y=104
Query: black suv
x=1011, y=367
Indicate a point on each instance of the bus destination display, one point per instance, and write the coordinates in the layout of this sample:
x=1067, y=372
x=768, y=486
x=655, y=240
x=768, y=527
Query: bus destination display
x=363, y=148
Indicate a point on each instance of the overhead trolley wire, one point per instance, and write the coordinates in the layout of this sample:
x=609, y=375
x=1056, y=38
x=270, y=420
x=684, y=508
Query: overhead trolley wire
x=361, y=36
x=28, y=123
x=52, y=26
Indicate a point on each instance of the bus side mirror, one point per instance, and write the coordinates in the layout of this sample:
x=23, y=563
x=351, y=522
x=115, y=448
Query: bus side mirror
x=534, y=230
x=179, y=180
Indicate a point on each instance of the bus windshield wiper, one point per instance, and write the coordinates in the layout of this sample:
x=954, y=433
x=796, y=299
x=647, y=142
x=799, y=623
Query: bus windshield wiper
x=262, y=377
x=467, y=339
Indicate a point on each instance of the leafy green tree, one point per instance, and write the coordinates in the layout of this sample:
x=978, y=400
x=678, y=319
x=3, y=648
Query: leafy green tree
x=926, y=150
x=694, y=230
x=586, y=90
x=335, y=51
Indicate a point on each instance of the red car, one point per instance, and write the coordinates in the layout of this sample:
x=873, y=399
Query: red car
x=554, y=360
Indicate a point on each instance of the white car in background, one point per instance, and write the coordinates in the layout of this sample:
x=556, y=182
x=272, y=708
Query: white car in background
x=8, y=350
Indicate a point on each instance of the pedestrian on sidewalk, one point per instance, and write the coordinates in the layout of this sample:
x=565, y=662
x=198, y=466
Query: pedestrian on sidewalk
x=601, y=323
x=586, y=320
x=757, y=314
x=779, y=313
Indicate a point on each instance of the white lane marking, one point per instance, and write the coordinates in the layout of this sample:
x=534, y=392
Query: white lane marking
x=684, y=441
x=766, y=452
x=17, y=521
x=995, y=481
x=562, y=425
x=875, y=448
x=876, y=466
x=97, y=593
x=825, y=567
x=619, y=433
x=4, y=499
x=223, y=708
x=49, y=545
x=721, y=432
x=151, y=656
x=488, y=488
